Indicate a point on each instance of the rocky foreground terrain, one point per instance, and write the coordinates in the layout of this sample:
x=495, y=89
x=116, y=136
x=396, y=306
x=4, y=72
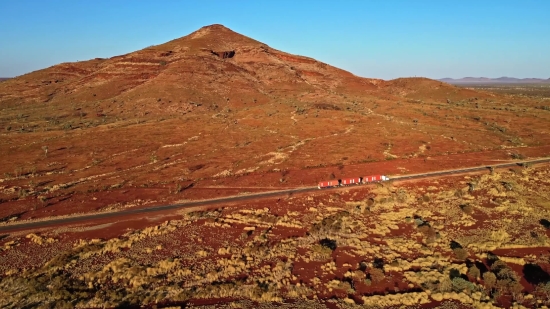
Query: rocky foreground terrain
x=477, y=240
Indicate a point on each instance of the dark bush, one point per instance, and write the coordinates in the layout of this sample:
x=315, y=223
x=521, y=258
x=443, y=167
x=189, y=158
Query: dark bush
x=545, y=223
x=455, y=245
x=328, y=243
x=454, y=273
x=534, y=274
x=378, y=263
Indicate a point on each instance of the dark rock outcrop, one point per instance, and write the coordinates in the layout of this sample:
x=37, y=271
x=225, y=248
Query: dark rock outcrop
x=224, y=54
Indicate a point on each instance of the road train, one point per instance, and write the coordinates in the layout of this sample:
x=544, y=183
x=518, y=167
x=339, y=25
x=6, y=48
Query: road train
x=351, y=181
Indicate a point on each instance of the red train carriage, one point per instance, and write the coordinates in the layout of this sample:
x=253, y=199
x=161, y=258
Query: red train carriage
x=350, y=181
x=374, y=178
x=329, y=184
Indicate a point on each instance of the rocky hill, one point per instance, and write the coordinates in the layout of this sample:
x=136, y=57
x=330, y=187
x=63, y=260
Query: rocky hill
x=209, y=67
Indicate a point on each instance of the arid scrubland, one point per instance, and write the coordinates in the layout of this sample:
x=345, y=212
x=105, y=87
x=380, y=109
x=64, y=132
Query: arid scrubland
x=479, y=241
x=216, y=114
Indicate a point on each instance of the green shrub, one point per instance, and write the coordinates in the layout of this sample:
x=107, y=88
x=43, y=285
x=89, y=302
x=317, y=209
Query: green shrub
x=489, y=279
x=460, y=253
x=474, y=272
x=460, y=285
x=503, y=271
x=445, y=285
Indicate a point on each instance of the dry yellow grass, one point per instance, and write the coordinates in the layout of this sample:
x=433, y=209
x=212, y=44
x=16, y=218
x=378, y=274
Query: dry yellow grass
x=246, y=259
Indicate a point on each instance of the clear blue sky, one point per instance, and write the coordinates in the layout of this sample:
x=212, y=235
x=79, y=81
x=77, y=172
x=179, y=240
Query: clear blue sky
x=371, y=38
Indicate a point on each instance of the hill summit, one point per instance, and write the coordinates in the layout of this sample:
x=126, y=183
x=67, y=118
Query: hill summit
x=210, y=66
x=205, y=69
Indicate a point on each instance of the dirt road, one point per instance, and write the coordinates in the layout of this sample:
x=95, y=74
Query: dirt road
x=19, y=226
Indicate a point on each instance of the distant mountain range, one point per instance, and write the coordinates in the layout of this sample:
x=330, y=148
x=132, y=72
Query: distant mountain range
x=500, y=80
x=3, y=78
